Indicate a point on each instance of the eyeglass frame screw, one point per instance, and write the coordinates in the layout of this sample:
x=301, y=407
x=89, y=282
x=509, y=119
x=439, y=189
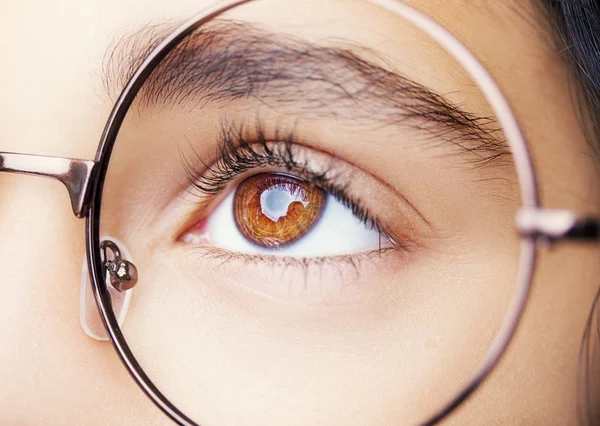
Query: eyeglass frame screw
x=122, y=273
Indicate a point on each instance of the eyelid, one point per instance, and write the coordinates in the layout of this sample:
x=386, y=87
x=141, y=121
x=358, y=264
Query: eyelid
x=309, y=281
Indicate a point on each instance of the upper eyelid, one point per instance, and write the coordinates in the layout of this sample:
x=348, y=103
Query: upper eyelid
x=231, y=136
x=260, y=64
x=233, y=139
x=277, y=152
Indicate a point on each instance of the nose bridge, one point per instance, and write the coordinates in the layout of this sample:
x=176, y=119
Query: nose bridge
x=74, y=174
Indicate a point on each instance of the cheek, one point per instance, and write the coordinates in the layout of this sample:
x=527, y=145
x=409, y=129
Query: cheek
x=402, y=333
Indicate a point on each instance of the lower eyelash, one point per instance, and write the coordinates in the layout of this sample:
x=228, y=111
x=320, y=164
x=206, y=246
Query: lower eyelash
x=335, y=272
x=287, y=261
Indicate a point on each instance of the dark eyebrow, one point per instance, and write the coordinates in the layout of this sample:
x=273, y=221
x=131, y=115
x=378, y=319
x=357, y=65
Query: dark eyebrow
x=229, y=60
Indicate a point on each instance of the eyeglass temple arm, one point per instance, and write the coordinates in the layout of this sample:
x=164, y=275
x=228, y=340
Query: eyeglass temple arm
x=74, y=174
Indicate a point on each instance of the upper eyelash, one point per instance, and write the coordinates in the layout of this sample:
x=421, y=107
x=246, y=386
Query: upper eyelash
x=239, y=150
x=236, y=153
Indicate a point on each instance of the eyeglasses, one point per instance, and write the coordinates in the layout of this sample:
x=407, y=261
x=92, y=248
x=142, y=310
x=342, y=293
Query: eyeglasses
x=113, y=273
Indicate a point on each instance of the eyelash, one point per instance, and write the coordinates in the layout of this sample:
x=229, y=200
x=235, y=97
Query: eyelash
x=240, y=150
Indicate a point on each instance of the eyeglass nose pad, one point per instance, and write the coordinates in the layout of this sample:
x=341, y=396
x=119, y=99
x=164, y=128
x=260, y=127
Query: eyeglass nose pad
x=89, y=315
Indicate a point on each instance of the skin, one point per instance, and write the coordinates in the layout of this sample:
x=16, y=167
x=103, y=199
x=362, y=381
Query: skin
x=343, y=355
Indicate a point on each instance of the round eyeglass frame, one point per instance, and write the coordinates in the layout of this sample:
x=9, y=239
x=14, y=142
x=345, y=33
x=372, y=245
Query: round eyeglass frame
x=500, y=106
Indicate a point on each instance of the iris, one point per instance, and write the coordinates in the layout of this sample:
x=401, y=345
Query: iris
x=275, y=209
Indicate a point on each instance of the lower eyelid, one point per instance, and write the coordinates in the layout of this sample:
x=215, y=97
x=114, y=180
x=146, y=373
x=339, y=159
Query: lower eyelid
x=330, y=280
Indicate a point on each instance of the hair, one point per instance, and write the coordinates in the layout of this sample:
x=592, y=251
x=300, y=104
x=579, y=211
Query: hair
x=575, y=25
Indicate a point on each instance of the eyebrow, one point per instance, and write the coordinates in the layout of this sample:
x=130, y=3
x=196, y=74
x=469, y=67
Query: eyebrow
x=230, y=60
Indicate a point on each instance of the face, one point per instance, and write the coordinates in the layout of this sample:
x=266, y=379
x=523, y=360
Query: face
x=320, y=204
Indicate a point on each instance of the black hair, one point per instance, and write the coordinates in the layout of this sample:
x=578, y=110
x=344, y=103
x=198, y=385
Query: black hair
x=576, y=27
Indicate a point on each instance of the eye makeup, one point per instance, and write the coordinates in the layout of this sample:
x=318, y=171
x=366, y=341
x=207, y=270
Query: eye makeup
x=242, y=153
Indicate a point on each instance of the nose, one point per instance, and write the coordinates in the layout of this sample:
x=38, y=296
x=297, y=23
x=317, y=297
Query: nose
x=41, y=242
x=52, y=103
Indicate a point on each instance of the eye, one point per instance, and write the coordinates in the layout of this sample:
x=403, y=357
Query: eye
x=281, y=214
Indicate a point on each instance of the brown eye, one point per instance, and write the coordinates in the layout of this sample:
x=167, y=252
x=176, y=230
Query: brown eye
x=274, y=209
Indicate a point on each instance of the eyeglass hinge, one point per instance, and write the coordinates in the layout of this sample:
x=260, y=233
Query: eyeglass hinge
x=553, y=225
x=75, y=175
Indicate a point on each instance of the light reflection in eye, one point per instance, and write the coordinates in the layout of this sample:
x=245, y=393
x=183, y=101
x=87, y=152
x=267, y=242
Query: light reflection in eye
x=279, y=214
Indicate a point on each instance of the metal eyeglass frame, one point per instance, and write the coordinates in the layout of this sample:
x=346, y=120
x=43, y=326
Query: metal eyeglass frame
x=84, y=181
